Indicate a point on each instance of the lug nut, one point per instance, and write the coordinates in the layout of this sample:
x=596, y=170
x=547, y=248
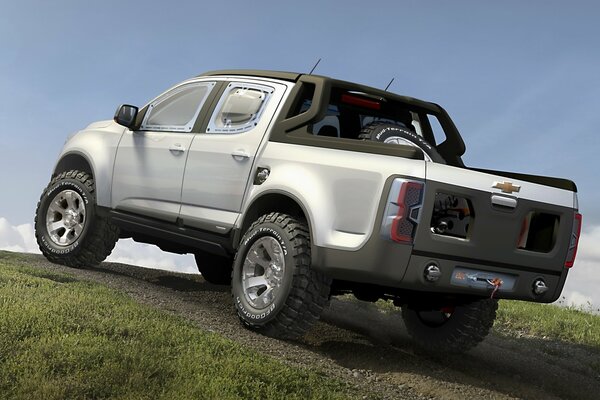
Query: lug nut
x=432, y=273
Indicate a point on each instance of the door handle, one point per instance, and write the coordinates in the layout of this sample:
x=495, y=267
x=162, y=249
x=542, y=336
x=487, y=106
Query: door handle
x=240, y=155
x=177, y=148
x=504, y=201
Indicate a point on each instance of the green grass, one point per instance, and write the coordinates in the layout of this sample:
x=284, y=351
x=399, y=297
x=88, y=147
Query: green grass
x=569, y=324
x=61, y=338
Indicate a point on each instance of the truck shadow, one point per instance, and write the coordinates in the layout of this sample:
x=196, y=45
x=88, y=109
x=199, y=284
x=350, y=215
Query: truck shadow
x=175, y=281
x=525, y=367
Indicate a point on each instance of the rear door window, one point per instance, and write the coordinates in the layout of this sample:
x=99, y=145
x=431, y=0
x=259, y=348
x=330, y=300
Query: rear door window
x=240, y=108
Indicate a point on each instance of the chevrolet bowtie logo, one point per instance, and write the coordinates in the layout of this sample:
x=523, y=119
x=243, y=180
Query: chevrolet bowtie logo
x=506, y=187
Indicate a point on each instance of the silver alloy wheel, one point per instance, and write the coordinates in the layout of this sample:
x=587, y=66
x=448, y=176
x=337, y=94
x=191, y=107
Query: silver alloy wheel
x=401, y=140
x=262, y=272
x=65, y=218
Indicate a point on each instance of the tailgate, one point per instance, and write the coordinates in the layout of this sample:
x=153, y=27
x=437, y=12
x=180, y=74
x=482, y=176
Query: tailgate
x=471, y=216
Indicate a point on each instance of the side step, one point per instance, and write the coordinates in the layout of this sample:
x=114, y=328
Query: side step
x=178, y=235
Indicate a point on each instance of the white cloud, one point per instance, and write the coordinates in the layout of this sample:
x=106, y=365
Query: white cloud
x=17, y=238
x=21, y=239
x=576, y=299
x=144, y=255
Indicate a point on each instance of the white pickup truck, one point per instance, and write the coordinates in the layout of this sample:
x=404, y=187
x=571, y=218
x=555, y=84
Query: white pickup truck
x=293, y=188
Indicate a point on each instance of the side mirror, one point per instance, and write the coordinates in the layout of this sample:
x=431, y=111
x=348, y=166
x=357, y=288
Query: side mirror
x=126, y=115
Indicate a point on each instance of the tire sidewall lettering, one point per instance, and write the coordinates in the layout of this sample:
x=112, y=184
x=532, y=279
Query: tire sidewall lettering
x=70, y=184
x=58, y=251
x=266, y=231
x=386, y=132
x=252, y=315
x=403, y=134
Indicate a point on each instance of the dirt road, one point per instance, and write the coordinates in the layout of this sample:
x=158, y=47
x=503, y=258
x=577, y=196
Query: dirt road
x=368, y=348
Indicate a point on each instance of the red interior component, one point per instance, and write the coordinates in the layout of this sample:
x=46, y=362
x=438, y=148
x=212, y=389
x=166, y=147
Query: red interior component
x=447, y=309
x=522, y=242
x=361, y=102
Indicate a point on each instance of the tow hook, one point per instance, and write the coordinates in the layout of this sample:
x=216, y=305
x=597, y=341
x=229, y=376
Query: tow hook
x=496, y=283
x=539, y=287
x=432, y=273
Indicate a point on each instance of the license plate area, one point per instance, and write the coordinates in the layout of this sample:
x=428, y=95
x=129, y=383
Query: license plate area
x=476, y=279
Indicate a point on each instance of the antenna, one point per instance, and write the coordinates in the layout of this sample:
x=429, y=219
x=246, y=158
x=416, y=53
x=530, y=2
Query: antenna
x=387, y=87
x=313, y=68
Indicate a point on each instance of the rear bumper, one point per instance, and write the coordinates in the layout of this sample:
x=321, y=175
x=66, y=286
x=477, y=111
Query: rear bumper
x=517, y=284
x=378, y=265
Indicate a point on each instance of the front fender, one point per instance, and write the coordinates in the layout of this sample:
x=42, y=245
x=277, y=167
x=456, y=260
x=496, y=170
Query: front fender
x=97, y=144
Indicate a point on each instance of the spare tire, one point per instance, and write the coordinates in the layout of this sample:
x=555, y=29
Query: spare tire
x=396, y=134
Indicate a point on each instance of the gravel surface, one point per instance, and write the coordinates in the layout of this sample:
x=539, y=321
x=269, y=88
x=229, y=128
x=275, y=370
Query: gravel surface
x=369, y=349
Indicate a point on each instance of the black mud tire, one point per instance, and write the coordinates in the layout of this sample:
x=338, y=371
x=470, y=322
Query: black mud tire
x=304, y=292
x=460, y=331
x=389, y=133
x=98, y=237
x=214, y=269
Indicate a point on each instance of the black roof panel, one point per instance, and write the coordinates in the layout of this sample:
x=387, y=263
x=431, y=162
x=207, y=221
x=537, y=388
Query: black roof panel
x=286, y=76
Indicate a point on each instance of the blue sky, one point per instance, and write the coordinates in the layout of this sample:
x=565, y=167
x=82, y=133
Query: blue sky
x=520, y=79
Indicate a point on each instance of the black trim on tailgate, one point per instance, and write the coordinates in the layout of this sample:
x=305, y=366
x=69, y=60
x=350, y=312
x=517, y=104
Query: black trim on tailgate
x=558, y=183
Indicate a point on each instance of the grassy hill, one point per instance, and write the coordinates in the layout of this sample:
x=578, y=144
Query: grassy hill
x=64, y=338
x=548, y=321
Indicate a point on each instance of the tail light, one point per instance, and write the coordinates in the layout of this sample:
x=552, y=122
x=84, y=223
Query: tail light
x=403, y=211
x=574, y=240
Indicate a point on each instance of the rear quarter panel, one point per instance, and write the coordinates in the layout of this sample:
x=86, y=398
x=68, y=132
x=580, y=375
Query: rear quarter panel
x=340, y=190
